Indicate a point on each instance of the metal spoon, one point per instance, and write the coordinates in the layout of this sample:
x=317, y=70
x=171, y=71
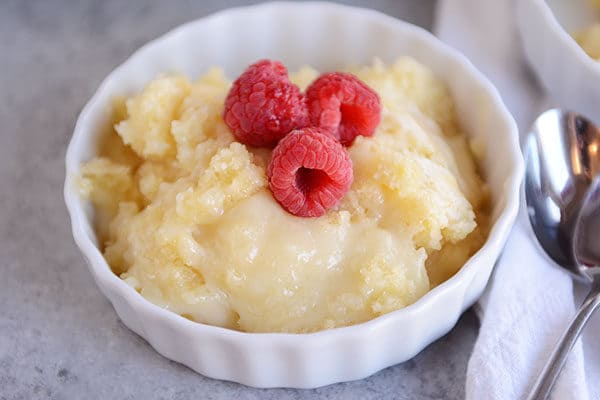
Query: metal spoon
x=562, y=159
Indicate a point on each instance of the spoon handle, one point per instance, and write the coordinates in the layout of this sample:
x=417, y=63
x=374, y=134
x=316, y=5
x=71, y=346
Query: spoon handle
x=555, y=363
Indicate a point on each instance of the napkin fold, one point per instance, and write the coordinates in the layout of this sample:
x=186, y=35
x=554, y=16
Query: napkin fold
x=528, y=302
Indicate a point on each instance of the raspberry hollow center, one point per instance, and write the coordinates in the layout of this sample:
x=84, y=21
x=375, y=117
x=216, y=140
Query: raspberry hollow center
x=309, y=179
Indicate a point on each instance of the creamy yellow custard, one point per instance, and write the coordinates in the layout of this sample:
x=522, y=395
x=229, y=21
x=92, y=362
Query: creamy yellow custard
x=186, y=217
x=589, y=40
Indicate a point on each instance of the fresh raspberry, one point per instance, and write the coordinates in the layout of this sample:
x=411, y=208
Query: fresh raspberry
x=309, y=172
x=263, y=105
x=343, y=105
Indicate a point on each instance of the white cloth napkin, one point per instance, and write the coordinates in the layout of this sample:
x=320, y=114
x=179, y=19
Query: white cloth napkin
x=528, y=302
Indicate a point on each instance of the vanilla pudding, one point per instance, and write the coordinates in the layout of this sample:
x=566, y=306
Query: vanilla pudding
x=186, y=217
x=589, y=40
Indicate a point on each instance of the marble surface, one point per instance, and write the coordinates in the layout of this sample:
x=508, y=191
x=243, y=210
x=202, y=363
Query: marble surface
x=59, y=337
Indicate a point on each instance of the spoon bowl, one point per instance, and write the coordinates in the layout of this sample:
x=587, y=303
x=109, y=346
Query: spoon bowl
x=562, y=158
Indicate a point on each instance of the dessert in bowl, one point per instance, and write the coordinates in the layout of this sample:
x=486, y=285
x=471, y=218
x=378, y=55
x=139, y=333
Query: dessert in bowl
x=550, y=32
x=416, y=199
x=187, y=216
x=589, y=37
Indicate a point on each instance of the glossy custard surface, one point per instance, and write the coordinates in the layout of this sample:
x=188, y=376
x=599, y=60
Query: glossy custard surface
x=186, y=217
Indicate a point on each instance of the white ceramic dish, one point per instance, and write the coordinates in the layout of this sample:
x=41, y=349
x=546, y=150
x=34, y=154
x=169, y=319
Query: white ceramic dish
x=569, y=75
x=325, y=36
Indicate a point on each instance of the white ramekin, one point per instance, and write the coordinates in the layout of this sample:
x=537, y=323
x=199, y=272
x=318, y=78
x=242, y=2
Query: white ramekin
x=567, y=73
x=326, y=36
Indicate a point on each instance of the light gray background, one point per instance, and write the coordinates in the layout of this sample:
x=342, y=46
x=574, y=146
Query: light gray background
x=59, y=337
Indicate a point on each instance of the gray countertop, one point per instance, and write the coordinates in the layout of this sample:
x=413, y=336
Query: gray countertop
x=59, y=337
